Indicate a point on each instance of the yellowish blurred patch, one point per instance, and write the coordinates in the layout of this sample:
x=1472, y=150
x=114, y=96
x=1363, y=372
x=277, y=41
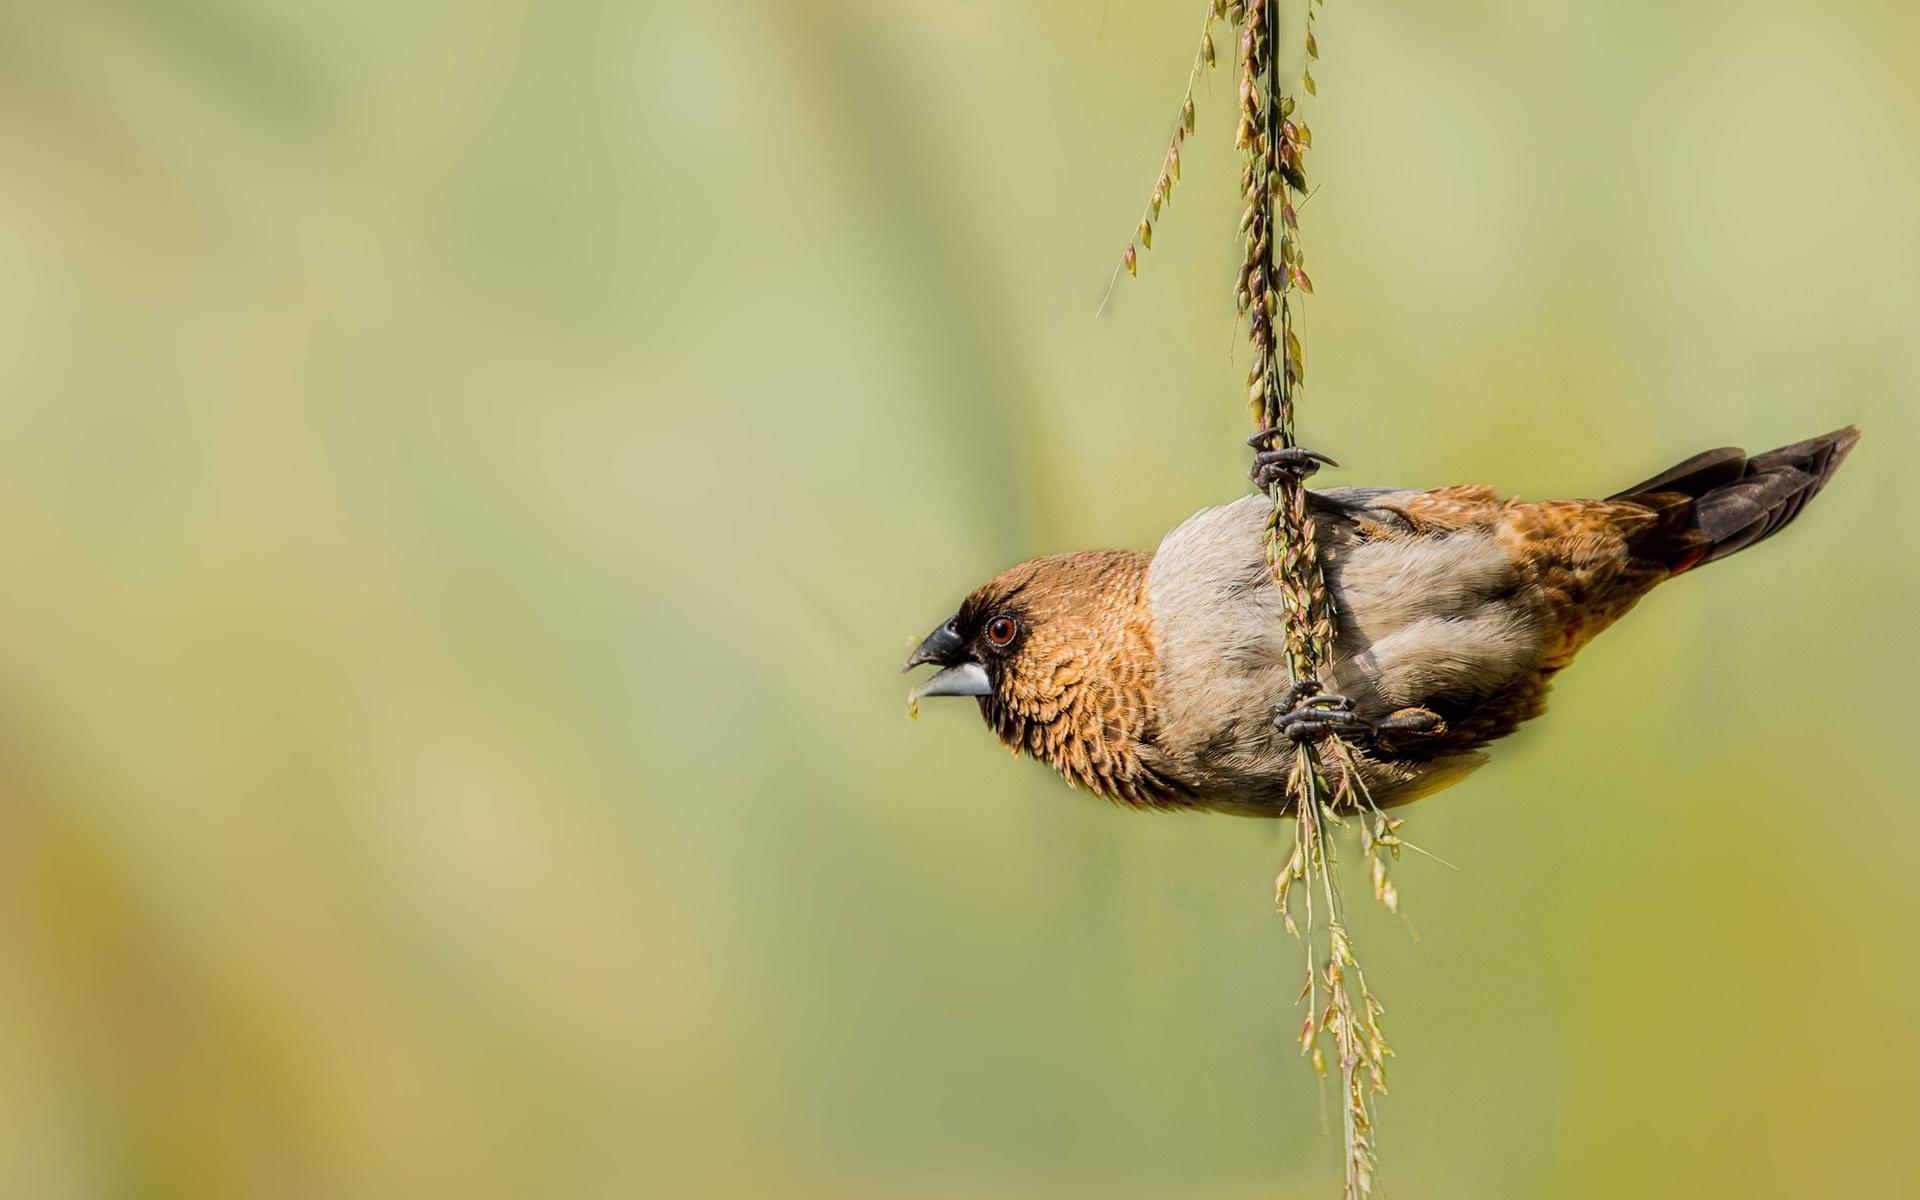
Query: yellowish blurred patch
x=470, y=475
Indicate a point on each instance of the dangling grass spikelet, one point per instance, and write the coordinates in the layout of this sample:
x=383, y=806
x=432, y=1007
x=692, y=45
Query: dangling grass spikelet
x=1326, y=785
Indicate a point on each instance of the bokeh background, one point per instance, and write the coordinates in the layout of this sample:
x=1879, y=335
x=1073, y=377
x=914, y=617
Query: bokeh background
x=469, y=475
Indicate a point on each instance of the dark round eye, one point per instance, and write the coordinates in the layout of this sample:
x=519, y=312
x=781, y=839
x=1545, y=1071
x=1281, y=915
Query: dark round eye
x=1000, y=630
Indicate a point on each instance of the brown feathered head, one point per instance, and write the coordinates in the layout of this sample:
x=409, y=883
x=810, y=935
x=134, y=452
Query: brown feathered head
x=1060, y=653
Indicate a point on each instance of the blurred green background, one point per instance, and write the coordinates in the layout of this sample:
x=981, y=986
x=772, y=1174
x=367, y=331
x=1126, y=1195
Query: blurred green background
x=469, y=475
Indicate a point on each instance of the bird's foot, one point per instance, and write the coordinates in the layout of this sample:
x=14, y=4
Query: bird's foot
x=1272, y=464
x=1304, y=717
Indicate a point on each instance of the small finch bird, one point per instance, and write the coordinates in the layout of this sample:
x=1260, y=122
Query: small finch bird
x=1161, y=680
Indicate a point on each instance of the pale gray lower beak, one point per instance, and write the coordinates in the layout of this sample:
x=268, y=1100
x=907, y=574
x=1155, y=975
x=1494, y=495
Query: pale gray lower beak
x=966, y=679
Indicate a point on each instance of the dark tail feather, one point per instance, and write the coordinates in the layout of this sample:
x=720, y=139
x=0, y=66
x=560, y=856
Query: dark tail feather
x=1735, y=501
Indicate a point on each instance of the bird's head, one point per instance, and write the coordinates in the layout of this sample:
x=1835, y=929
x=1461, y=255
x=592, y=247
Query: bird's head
x=1059, y=652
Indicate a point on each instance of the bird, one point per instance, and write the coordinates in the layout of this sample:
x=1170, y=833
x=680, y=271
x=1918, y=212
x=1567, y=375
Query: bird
x=1161, y=680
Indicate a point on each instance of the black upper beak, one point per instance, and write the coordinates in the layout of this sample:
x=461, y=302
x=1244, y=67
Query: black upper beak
x=943, y=646
x=959, y=674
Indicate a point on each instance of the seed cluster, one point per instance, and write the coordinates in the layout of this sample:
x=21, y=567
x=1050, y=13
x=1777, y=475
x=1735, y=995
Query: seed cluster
x=1326, y=783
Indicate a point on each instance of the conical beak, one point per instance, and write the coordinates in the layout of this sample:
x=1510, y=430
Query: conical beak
x=942, y=646
x=960, y=674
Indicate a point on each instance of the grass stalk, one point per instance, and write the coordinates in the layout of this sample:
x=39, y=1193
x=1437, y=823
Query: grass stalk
x=1326, y=785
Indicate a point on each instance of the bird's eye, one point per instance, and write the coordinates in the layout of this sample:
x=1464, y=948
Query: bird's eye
x=1000, y=630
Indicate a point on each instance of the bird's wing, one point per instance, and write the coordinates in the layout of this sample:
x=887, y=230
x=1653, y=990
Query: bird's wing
x=1473, y=602
x=1425, y=591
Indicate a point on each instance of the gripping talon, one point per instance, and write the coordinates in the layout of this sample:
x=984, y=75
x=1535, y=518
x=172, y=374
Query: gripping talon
x=1294, y=462
x=1331, y=700
x=1321, y=715
x=1291, y=697
x=1260, y=440
x=1330, y=712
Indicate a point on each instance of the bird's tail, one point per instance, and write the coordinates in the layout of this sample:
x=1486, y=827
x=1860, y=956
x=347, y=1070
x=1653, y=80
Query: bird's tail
x=1721, y=501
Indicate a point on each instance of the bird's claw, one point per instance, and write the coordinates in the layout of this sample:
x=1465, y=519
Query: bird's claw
x=1304, y=719
x=1295, y=691
x=1272, y=464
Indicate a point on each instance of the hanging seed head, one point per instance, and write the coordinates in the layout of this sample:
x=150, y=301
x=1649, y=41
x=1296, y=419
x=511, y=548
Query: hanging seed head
x=1322, y=783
